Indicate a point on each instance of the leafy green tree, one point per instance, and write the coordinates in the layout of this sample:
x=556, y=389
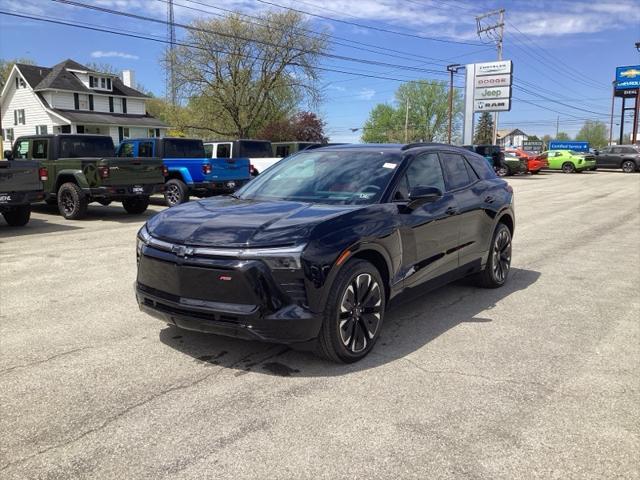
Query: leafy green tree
x=239, y=76
x=546, y=139
x=594, y=132
x=428, y=114
x=563, y=136
x=484, y=130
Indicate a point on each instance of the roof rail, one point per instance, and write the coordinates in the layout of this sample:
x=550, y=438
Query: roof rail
x=424, y=144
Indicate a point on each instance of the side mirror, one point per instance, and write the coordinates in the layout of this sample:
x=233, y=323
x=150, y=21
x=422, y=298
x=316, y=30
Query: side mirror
x=596, y=152
x=422, y=195
x=8, y=155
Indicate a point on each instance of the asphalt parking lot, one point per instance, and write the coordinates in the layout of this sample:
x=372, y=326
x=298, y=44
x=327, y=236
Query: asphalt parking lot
x=538, y=379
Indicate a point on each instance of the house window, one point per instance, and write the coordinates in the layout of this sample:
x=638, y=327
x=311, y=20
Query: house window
x=125, y=132
x=108, y=84
x=117, y=104
x=8, y=134
x=19, y=117
x=65, y=129
x=41, y=129
x=103, y=82
x=83, y=102
x=79, y=128
x=20, y=83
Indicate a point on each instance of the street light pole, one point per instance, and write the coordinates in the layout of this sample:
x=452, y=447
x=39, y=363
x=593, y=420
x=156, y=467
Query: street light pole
x=451, y=69
x=613, y=103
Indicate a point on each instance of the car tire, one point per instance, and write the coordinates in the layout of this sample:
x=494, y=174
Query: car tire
x=535, y=172
x=72, y=203
x=568, y=167
x=496, y=271
x=353, y=314
x=503, y=171
x=628, y=166
x=136, y=205
x=19, y=216
x=176, y=192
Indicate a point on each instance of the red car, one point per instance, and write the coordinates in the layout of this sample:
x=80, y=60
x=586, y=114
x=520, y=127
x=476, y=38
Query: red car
x=535, y=163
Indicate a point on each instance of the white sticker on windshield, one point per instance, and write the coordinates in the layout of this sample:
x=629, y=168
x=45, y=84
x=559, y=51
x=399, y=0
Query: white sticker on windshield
x=390, y=165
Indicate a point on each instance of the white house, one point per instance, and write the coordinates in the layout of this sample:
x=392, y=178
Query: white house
x=71, y=98
x=512, y=138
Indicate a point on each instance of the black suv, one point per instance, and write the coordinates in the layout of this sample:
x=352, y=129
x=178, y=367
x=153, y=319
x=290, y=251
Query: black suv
x=626, y=157
x=313, y=249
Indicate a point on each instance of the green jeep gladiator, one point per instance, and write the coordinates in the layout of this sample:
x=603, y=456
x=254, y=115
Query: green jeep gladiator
x=79, y=169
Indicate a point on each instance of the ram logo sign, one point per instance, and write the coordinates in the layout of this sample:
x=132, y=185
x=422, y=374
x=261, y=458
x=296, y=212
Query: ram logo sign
x=503, y=105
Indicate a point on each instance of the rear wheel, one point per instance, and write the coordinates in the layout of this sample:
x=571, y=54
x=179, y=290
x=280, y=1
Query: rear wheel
x=535, y=172
x=72, y=203
x=503, y=171
x=568, y=167
x=353, y=314
x=19, y=216
x=176, y=192
x=496, y=271
x=136, y=205
x=628, y=166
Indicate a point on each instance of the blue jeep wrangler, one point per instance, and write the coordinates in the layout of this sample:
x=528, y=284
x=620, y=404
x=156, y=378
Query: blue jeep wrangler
x=190, y=171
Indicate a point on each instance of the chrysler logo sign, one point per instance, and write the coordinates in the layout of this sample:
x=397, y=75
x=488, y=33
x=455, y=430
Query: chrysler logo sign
x=494, y=68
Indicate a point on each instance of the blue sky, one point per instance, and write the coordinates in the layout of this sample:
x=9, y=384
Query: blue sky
x=564, y=50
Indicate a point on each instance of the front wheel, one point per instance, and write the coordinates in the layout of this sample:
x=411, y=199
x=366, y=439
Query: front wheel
x=568, y=167
x=503, y=171
x=353, y=314
x=176, y=192
x=136, y=205
x=72, y=203
x=496, y=271
x=628, y=166
x=19, y=216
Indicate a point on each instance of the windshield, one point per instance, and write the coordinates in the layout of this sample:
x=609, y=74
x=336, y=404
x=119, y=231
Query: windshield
x=255, y=149
x=81, y=147
x=335, y=177
x=183, y=148
x=574, y=152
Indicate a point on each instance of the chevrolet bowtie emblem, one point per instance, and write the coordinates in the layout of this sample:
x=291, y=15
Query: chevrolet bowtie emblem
x=181, y=250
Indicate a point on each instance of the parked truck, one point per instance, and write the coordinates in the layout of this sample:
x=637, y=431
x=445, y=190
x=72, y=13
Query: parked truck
x=20, y=186
x=257, y=153
x=79, y=169
x=190, y=170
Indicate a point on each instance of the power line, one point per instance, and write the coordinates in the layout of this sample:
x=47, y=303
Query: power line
x=369, y=27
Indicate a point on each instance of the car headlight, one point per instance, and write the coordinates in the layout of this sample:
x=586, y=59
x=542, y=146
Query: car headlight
x=277, y=258
x=142, y=239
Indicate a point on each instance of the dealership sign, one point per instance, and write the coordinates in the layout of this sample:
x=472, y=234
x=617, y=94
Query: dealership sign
x=495, y=92
x=499, y=105
x=494, y=68
x=535, y=146
x=628, y=78
x=569, y=145
x=493, y=81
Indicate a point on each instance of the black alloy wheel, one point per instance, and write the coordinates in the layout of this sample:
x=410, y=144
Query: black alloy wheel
x=354, y=313
x=72, y=203
x=496, y=271
x=568, y=167
x=176, y=192
x=628, y=166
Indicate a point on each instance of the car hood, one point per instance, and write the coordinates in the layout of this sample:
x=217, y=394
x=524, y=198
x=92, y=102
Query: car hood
x=232, y=222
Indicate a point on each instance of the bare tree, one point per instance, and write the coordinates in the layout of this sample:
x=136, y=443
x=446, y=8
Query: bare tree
x=240, y=76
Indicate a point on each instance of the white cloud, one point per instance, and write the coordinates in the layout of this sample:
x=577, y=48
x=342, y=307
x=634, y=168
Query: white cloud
x=113, y=54
x=366, y=93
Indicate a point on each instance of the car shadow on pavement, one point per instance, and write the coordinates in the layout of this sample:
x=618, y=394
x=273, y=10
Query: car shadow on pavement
x=413, y=319
x=111, y=213
x=35, y=226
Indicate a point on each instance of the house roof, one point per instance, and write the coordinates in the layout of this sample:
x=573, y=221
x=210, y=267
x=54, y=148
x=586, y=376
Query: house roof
x=101, y=118
x=506, y=133
x=59, y=78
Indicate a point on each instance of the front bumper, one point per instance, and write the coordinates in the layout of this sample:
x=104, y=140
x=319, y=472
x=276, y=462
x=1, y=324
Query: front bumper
x=217, y=186
x=116, y=192
x=234, y=298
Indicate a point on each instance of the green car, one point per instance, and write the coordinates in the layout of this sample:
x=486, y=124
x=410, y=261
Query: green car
x=569, y=161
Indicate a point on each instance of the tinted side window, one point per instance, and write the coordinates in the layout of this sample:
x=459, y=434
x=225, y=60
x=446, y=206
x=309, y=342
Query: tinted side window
x=21, y=150
x=425, y=171
x=145, y=149
x=455, y=170
x=208, y=150
x=224, y=150
x=39, y=149
x=481, y=167
x=616, y=150
x=126, y=150
x=629, y=150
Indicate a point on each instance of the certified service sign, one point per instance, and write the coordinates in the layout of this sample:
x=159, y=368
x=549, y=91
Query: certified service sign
x=628, y=77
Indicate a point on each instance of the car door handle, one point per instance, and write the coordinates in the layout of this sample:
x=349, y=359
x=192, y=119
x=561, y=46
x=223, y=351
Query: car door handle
x=488, y=199
x=451, y=211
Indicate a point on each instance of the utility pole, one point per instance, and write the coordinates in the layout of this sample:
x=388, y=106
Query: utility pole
x=170, y=87
x=613, y=103
x=452, y=69
x=406, y=123
x=557, y=126
x=495, y=32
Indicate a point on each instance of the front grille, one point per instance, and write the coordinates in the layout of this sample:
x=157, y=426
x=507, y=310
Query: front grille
x=296, y=290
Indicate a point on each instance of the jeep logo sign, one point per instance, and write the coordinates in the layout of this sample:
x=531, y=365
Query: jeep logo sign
x=493, y=105
x=495, y=92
